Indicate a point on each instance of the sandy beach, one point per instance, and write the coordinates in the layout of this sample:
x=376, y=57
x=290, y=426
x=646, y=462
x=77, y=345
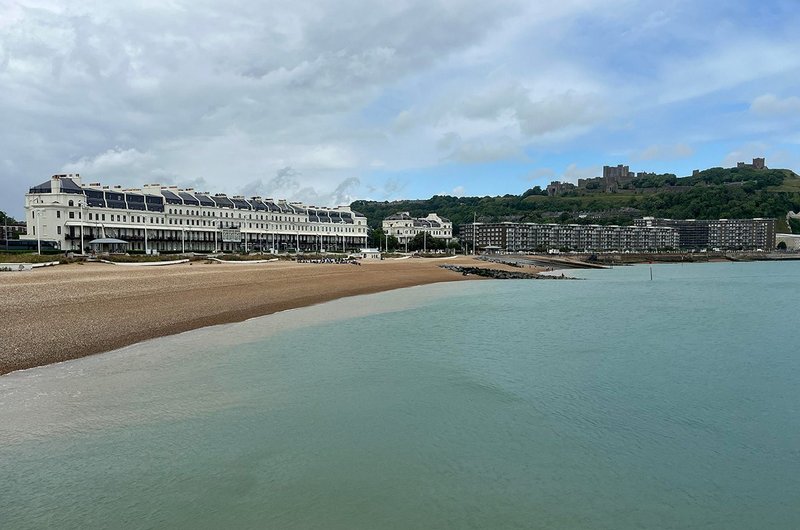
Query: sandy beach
x=69, y=311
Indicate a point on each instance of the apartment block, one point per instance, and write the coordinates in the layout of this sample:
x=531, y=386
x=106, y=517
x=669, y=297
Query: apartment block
x=518, y=237
x=724, y=234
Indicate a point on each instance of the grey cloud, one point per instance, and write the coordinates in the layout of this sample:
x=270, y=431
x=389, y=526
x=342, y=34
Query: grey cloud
x=572, y=172
x=288, y=184
x=86, y=84
x=535, y=117
x=664, y=152
x=559, y=112
x=538, y=174
x=772, y=105
x=478, y=151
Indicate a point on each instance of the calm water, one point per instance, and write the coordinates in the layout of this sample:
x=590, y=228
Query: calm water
x=616, y=402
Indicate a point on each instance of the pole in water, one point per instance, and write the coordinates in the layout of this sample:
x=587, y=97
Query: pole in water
x=651, y=274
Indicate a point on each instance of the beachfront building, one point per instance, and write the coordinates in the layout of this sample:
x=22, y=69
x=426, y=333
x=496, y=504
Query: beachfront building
x=168, y=219
x=521, y=237
x=404, y=227
x=369, y=253
x=722, y=234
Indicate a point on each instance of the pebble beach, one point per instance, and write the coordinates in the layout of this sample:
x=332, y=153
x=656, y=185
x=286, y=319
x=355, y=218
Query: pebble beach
x=59, y=313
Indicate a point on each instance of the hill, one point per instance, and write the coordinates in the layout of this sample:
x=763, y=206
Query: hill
x=711, y=194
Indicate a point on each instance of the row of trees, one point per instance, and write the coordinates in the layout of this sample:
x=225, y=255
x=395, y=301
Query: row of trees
x=6, y=219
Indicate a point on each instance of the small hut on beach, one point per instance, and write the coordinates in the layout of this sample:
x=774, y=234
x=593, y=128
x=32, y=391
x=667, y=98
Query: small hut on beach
x=108, y=245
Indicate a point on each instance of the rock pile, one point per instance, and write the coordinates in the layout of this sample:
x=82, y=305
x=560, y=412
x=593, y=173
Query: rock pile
x=497, y=274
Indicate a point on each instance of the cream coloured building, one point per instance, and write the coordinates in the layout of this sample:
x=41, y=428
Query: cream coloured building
x=169, y=219
x=404, y=227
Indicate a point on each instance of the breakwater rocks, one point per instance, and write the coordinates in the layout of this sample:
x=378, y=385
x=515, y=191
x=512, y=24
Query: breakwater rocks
x=497, y=274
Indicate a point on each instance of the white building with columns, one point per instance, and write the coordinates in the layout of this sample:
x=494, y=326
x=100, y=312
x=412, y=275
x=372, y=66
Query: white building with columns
x=404, y=227
x=169, y=219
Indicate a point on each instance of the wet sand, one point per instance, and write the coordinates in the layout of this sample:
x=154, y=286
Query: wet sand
x=54, y=314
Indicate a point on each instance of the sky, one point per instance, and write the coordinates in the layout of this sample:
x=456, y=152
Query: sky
x=331, y=101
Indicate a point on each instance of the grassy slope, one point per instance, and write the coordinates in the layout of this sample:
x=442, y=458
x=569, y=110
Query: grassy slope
x=710, y=198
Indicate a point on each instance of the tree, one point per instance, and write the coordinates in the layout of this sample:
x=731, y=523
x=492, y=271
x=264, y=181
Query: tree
x=423, y=241
x=377, y=239
x=6, y=219
x=536, y=190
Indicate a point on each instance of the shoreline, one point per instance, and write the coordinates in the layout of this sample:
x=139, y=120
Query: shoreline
x=71, y=311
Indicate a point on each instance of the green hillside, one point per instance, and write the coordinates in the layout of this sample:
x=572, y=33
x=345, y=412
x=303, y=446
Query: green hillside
x=712, y=194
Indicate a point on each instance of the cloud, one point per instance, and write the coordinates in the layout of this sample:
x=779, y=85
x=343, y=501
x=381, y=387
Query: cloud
x=725, y=65
x=664, y=152
x=535, y=116
x=458, y=191
x=478, y=151
x=227, y=96
x=287, y=183
x=116, y=159
x=572, y=172
x=539, y=174
x=745, y=153
x=771, y=105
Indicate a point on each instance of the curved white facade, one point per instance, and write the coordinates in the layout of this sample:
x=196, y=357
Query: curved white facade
x=169, y=219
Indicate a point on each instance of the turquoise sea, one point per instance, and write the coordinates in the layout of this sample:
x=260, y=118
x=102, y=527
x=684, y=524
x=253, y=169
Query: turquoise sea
x=615, y=402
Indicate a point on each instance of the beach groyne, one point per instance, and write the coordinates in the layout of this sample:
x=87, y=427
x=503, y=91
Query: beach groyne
x=497, y=274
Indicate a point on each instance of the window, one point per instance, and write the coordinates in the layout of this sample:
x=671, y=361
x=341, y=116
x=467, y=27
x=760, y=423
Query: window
x=58, y=230
x=72, y=215
x=104, y=217
x=71, y=203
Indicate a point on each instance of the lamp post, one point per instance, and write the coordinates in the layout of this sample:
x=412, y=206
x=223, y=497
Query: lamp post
x=80, y=218
x=38, y=227
x=38, y=232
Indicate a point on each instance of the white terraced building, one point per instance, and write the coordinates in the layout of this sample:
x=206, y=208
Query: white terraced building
x=169, y=219
x=404, y=227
